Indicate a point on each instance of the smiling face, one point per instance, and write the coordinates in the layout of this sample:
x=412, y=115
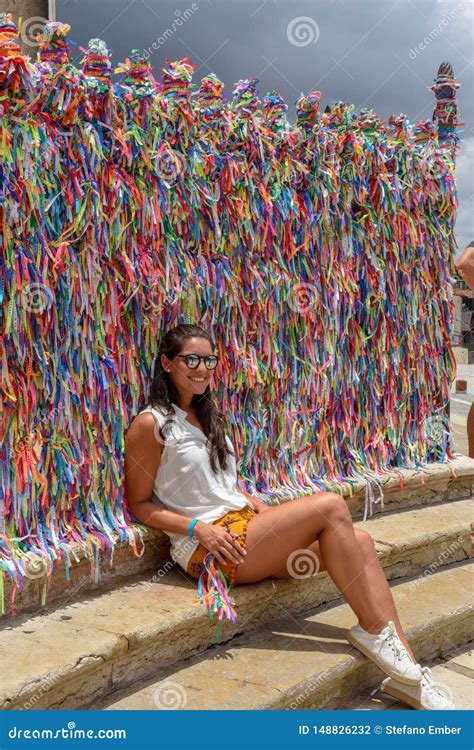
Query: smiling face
x=189, y=381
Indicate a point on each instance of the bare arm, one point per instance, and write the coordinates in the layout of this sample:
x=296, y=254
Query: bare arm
x=465, y=266
x=142, y=459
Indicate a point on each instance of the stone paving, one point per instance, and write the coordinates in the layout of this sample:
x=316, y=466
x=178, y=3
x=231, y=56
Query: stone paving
x=455, y=675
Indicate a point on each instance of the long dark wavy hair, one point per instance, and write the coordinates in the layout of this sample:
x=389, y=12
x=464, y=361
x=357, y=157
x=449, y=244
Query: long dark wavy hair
x=162, y=393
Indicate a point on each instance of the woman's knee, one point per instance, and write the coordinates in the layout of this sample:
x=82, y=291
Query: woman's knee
x=365, y=540
x=331, y=505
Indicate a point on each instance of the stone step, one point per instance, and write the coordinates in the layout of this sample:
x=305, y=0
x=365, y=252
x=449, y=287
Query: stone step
x=87, y=575
x=305, y=661
x=437, y=483
x=88, y=647
x=453, y=673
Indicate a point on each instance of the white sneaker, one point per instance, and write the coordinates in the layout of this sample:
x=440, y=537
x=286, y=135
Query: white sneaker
x=387, y=651
x=428, y=695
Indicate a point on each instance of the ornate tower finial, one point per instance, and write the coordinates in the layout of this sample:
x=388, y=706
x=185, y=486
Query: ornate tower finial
x=446, y=110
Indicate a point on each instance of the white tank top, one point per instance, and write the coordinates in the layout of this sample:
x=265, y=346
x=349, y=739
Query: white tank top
x=185, y=482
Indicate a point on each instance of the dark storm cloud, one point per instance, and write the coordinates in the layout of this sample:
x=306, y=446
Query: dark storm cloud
x=381, y=54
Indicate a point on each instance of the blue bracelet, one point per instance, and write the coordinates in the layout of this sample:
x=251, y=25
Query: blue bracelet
x=191, y=527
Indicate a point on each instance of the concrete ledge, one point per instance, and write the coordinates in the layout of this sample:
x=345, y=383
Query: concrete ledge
x=101, y=642
x=83, y=578
x=442, y=483
x=436, y=483
x=306, y=662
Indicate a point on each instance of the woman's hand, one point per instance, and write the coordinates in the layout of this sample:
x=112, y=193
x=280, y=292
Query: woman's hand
x=220, y=541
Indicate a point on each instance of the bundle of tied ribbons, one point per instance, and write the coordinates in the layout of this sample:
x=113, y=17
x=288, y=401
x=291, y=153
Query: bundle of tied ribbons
x=319, y=254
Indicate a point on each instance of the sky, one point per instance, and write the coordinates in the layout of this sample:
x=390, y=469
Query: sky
x=381, y=54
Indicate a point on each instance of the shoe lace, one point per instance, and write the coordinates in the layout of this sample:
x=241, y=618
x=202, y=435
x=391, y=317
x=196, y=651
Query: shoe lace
x=393, y=639
x=431, y=682
x=428, y=675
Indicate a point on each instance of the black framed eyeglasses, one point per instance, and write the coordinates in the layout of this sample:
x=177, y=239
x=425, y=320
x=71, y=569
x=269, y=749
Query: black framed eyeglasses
x=193, y=360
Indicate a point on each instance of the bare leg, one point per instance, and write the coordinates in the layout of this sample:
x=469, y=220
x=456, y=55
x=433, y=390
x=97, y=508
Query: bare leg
x=273, y=535
x=378, y=582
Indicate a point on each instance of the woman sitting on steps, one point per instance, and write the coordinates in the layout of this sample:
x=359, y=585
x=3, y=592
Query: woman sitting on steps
x=180, y=477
